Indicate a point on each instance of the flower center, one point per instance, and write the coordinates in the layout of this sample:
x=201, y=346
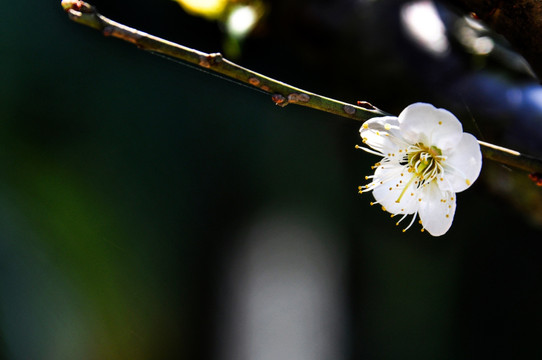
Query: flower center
x=425, y=162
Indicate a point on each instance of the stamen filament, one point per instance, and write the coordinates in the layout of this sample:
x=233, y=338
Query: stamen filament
x=369, y=150
x=405, y=188
x=412, y=222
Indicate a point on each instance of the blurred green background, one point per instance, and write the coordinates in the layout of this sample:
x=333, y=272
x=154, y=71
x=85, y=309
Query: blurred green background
x=152, y=211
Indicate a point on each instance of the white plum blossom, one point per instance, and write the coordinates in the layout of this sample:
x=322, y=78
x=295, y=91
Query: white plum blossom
x=426, y=160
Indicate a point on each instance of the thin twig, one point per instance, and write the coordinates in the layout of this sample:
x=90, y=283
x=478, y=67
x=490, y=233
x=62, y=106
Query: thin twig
x=282, y=94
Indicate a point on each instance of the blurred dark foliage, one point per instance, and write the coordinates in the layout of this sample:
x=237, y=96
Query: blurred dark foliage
x=126, y=179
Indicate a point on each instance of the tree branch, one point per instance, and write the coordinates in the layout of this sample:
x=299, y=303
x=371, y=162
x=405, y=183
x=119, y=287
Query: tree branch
x=281, y=93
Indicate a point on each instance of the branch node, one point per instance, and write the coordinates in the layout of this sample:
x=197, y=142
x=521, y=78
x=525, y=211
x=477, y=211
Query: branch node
x=349, y=109
x=108, y=31
x=367, y=105
x=279, y=100
x=77, y=7
x=254, y=81
x=297, y=98
x=209, y=60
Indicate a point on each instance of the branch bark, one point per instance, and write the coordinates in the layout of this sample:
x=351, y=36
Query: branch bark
x=281, y=93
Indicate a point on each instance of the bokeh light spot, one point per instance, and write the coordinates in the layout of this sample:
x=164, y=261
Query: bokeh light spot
x=207, y=8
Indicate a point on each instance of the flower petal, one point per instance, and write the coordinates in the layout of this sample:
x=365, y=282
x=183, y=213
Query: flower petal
x=463, y=165
x=423, y=123
x=397, y=193
x=382, y=134
x=437, y=209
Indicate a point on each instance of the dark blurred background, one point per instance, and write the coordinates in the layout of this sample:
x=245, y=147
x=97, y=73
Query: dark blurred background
x=152, y=211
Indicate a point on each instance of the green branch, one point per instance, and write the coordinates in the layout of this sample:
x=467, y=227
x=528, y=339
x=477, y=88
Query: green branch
x=282, y=94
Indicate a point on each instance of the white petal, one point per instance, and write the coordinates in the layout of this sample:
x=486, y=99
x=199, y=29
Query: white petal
x=463, y=165
x=423, y=123
x=379, y=123
x=382, y=134
x=397, y=193
x=437, y=209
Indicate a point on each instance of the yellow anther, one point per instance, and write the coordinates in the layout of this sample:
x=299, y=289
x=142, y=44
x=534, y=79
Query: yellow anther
x=387, y=126
x=365, y=126
x=467, y=181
